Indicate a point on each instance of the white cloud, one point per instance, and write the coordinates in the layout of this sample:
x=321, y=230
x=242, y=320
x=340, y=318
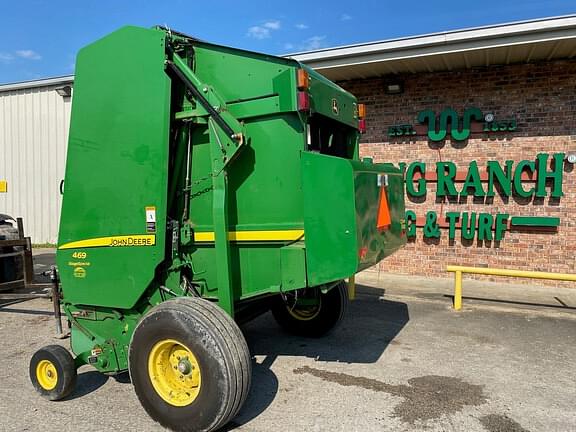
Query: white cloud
x=6, y=58
x=272, y=25
x=258, y=32
x=301, y=26
x=28, y=54
x=263, y=31
x=288, y=46
x=345, y=17
x=314, y=43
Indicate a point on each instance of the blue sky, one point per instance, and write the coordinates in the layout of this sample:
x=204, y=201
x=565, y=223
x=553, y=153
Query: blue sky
x=40, y=38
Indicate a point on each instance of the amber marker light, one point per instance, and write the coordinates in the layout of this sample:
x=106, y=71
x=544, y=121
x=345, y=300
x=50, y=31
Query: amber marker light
x=303, y=79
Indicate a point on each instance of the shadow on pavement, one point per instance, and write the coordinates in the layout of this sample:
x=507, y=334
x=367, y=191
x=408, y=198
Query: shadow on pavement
x=371, y=325
x=87, y=383
x=4, y=309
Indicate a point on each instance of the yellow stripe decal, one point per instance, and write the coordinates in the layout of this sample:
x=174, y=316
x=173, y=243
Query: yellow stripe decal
x=113, y=241
x=278, y=235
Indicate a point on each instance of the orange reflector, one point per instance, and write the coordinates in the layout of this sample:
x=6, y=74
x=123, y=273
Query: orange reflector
x=361, y=111
x=303, y=80
x=384, y=220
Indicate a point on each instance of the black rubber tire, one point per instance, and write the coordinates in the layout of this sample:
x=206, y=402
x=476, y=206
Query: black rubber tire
x=65, y=368
x=333, y=307
x=222, y=354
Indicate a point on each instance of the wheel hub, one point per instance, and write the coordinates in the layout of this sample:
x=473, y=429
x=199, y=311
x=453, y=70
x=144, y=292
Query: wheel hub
x=174, y=372
x=305, y=307
x=46, y=374
x=184, y=366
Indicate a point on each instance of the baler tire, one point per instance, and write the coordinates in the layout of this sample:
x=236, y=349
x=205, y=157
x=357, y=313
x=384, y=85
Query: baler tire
x=53, y=372
x=333, y=307
x=240, y=352
x=221, y=354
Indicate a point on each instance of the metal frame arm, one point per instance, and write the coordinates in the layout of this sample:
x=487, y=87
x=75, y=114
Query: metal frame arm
x=226, y=140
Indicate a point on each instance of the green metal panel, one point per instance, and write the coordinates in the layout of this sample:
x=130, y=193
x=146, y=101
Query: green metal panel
x=376, y=244
x=293, y=261
x=341, y=201
x=329, y=218
x=117, y=166
x=264, y=184
x=256, y=269
x=242, y=75
x=331, y=100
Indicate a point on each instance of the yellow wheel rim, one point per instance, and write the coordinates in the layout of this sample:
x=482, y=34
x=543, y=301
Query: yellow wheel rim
x=46, y=374
x=174, y=372
x=305, y=313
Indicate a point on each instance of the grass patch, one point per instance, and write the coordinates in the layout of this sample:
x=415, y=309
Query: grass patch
x=43, y=245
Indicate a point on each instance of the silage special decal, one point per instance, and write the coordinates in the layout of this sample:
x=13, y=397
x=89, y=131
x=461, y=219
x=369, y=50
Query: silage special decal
x=449, y=123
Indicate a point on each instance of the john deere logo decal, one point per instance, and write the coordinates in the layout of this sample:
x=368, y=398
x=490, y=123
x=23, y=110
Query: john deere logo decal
x=335, y=108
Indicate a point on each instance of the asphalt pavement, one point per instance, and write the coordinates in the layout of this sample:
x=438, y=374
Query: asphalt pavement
x=401, y=361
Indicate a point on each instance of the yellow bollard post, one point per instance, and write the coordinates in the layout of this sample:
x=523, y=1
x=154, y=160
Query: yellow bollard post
x=457, y=290
x=351, y=288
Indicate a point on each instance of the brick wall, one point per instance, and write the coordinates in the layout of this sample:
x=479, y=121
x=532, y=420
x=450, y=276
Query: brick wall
x=542, y=98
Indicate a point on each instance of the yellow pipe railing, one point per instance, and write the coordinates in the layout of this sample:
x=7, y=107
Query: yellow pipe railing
x=458, y=270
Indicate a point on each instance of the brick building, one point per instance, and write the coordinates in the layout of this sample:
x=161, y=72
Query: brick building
x=511, y=90
x=485, y=122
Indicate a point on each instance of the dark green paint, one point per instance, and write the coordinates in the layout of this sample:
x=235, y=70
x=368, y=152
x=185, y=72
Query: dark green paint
x=497, y=175
x=500, y=126
x=401, y=130
x=410, y=223
x=507, y=178
x=446, y=171
x=501, y=226
x=452, y=218
x=473, y=181
x=555, y=176
x=468, y=225
x=420, y=190
x=449, y=122
x=531, y=221
x=518, y=185
x=431, y=227
x=482, y=226
x=485, y=221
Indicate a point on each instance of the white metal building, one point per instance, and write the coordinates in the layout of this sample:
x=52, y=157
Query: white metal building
x=34, y=121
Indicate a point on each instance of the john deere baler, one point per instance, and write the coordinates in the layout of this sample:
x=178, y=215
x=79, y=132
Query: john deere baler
x=206, y=184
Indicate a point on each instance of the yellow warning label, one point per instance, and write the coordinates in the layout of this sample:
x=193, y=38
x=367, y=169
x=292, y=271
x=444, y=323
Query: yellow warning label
x=113, y=241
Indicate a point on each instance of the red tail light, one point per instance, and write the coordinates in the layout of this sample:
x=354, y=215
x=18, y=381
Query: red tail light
x=303, y=101
x=362, y=125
